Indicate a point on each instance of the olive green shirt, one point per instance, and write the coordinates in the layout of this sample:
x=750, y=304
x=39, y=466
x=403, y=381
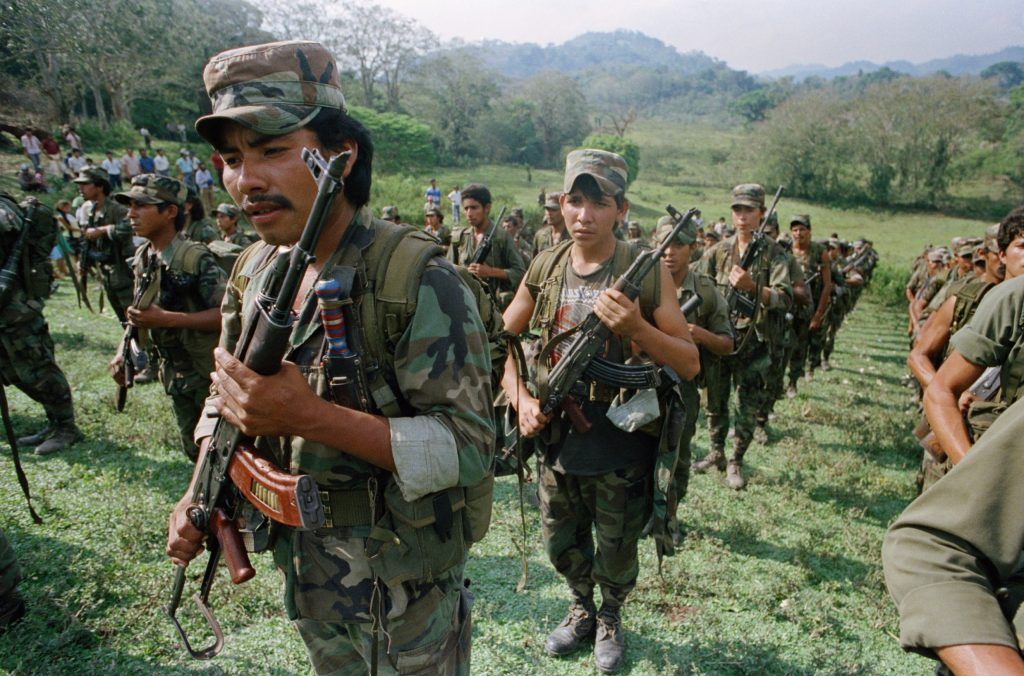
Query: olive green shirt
x=504, y=254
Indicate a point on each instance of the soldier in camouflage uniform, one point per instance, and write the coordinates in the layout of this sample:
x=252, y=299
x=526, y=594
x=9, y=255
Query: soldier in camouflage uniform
x=181, y=309
x=554, y=231
x=595, y=487
x=26, y=349
x=709, y=326
x=503, y=268
x=227, y=216
x=12, y=606
x=428, y=434
x=433, y=225
x=108, y=240
x=809, y=319
x=197, y=227
x=768, y=284
x=523, y=242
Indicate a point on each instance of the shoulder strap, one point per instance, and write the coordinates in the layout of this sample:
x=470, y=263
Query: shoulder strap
x=968, y=297
x=187, y=255
x=253, y=259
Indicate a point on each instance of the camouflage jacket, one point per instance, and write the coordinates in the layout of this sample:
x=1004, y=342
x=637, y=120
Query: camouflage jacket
x=113, y=249
x=545, y=239
x=771, y=269
x=242, y=239
x=201, y=231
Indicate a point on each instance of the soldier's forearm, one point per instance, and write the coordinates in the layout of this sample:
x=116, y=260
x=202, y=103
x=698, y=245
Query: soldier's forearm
x=971, y=660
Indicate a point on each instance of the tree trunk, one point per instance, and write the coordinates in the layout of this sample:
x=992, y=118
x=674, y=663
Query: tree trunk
x=101, y=110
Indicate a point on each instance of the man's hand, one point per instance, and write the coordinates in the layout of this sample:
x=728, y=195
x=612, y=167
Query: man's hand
x=153, y=317
x=184, y=541
x=482, y=270
x=92, y=234
x=116, y=372
x=741, y=280
x=815, y=323
x=271, y=406
x=965, y=401
x=618, y=313
x=531, y=420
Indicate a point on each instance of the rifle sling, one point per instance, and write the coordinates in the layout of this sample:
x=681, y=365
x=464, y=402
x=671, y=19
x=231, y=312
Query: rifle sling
x=12, y=440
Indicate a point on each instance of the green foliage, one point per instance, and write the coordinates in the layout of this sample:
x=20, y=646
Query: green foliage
x=116, y=138
x=629, y=150
x=401, y=143
x=1008, y=74
x=752, y=106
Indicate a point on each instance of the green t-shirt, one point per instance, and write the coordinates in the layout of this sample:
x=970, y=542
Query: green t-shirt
x=995, y=335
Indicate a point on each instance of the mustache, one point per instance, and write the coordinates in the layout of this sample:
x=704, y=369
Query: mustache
x=279, y=200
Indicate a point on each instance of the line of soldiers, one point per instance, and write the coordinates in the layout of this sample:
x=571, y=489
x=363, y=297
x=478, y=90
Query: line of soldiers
x=422, y=445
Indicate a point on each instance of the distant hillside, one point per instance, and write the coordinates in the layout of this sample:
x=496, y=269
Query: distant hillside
x=961, y=64
x=585, y=52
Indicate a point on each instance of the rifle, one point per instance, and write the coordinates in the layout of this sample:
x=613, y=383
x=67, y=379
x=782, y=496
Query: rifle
x=581, y=358
x=984, y=388
x=9, y=272
x=231, y=469
x=740, y=304
x=129, y=340
x=484, y=250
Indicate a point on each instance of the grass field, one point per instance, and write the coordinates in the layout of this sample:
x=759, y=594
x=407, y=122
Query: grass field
x=784, y=577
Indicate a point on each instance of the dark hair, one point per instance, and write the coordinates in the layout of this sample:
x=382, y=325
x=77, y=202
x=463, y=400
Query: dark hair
x=179, y=218
x=197, y=212
x=333, y=127
x=588, y=186
x=1010, y=228
x=478, y=192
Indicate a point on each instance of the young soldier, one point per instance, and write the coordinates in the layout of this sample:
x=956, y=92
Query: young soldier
x=428, y=434
x=27, y=358
x=993, y=337
x=433, y=225
x=227, y=223
x=197, y=226
x=503, y=268
x=767, y=283
x=108, y=240
x=554, y=231
x=809, y=319
x=709, y=326
x=181, y=309
x=600, y=480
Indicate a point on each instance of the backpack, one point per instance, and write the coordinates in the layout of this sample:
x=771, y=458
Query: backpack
x=33, y=268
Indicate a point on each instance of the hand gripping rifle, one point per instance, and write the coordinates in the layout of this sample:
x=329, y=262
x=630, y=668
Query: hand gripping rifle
x=484, y=250
x=231, y=469
x=129, y=341
x=581, y=358
x=740, y=304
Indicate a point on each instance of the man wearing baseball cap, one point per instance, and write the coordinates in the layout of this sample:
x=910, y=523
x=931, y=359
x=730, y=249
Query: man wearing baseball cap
x=107, y=239
x=179, y=309
x=370, y=587
x=554, y=231
x=227, y=216
x=583, y=475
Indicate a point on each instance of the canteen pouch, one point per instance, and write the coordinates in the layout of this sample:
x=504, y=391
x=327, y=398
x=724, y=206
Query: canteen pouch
x=631, y=415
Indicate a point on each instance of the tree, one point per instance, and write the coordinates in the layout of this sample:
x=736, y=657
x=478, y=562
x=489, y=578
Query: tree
x=621, y=146
x=1007, y=74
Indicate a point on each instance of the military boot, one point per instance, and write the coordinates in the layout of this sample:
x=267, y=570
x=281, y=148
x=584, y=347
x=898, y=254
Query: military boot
x=12, y=609
x=791, y=391
x=62, y=437
x=761, y=433
x=825, y=366
x=575, y=629
x=734, y=478
x=610, y=643
x=714, y=458
x=36, y=438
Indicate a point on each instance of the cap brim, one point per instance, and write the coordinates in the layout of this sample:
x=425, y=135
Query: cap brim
x=265, y=119
x=608, y=187
x=128, y=197
x=747, y=203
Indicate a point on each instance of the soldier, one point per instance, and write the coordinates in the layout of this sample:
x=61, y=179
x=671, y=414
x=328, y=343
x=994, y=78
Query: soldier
x=523, y=242
x=599, y=480
x=26, y=349
x=768, y=285
x=227, y=216
x=709, y=326
x=428, y=433
x=181, y=310
x=197, y=227
x=12, y=605
x=554, y=231
x=108, y=240
x=809, y=318
x=433, y=225
x=993, y=337
x=390, y=213
x=503, y=268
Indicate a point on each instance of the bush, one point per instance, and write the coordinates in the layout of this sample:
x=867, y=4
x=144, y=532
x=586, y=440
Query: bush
x=617, y=144
x=96, y=141
x=401, y=143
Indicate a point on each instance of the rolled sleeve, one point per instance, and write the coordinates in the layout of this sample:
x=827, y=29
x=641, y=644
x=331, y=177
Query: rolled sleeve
x=426, y=457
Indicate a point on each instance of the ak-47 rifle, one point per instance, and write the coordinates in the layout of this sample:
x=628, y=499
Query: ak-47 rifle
x=741, y=304
x=983, y=389
x=582, y=356
x=484, y=250
x=129, y=340
x=232, y=470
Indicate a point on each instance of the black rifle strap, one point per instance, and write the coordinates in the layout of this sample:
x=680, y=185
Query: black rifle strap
x=12, y=440
x=522, y=471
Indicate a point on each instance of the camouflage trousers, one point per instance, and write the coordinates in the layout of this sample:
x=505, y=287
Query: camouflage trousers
x=775, y=380
x=10, y=572
x=835, y=320
x=427, y=626
x=691, y=404
x=801, y=348
x=591, y=526
x=27, y=361
x=748, y=374
x=118, y=286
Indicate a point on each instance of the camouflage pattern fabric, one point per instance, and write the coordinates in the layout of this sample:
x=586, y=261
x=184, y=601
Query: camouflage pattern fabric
x=748, y=374
x=242, y=239
x=545, y=239
x=110, y=254
x=201, y=231
x=504, y=254
x=10, y=571
x=153, y=189
x=574, y=509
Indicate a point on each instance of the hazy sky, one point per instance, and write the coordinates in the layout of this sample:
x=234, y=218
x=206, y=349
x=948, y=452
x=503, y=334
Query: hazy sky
x=752, y=35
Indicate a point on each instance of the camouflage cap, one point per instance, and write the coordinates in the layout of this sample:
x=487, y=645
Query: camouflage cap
x=153, y=189
x=435, y=210
x=551, y=201
x=802, y=219
x=229, y=210
x=834, y=243
x=389, y=213
x=607, y=169
x=93, y=175
x=687, y=234
x=991, y=241
x=938, y=255
x=711, y=233
x=273, y=88
x=748, y=195
x=967, y=247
